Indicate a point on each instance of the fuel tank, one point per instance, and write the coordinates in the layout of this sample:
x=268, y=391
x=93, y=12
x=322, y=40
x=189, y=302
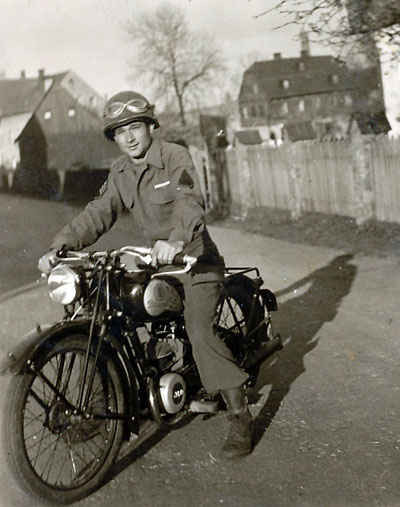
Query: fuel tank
x=144, y=298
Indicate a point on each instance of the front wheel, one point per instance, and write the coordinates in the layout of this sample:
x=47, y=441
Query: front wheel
x=54, y=451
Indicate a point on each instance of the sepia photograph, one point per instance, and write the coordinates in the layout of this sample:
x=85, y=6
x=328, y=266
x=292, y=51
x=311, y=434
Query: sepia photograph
x=199, y=253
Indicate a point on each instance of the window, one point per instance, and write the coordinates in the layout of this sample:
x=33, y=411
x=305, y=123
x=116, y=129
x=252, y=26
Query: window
x=256, y=88
x=284, y=108
x=253, y=111
x=71, y=112
x=285, y=84
x=261, y=110
x=302, y=66
x=245, y=112
x=301, y=106
x=317, y=102
x=335, y=78
x=47, y=115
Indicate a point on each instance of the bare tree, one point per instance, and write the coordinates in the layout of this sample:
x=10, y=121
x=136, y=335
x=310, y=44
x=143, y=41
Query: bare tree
x=347, y=25
x=179, y=62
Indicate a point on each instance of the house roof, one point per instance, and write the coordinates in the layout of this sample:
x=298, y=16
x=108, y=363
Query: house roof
x=371, y=123
x=19, y=95
x=248, y=137
x=14, y=124
x=300, y=131
x=306, y=75
x=57, y=79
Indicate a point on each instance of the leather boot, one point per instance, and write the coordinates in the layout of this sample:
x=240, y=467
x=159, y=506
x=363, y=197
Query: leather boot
x=239, y=440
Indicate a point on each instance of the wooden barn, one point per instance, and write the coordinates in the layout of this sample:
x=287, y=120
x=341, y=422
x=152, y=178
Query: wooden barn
x=54, y=130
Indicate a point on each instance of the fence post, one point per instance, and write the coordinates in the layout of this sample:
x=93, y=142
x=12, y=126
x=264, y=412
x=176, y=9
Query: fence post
x=245, y=181
x=295, y=180
x=363, y=181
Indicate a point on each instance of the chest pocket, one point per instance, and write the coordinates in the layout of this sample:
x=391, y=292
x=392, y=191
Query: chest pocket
x=162, y=195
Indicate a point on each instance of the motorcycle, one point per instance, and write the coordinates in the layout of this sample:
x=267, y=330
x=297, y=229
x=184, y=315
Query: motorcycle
x=119, y=358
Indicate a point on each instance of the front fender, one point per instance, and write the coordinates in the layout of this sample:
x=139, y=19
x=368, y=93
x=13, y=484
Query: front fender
x=26, y=348
x=31, y=344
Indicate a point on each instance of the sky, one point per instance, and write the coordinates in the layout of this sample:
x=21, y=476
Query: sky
x=87, y=36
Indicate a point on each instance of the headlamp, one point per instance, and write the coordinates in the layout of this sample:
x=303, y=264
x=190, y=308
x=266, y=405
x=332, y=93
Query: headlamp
x=63, y=285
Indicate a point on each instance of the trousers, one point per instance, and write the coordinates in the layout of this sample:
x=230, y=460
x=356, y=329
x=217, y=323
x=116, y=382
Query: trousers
x=215, y=363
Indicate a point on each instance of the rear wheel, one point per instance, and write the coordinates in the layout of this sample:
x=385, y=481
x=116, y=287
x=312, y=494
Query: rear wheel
x=233, y=322
x=55, y=451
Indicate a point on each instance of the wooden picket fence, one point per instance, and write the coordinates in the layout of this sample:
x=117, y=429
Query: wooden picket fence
x=358, y=178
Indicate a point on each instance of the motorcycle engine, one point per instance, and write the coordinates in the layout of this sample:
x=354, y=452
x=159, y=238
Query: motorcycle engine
x=172, y=388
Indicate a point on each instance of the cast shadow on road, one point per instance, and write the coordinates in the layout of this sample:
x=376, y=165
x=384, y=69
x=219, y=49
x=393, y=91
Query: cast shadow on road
x=299, y=319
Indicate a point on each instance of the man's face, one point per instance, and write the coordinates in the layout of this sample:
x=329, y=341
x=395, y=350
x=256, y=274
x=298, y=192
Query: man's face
x=133, y=139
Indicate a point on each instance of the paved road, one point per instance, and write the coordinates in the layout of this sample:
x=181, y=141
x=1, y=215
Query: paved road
x=326, y=409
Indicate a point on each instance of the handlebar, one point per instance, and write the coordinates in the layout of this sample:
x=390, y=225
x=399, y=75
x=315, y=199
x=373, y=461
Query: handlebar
x=140, y=252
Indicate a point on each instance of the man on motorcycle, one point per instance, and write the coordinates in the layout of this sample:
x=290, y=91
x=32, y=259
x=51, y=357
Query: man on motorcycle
x=156, y=181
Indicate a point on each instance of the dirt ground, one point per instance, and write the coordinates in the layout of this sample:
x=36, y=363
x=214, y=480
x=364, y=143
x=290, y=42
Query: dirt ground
x=380, y=239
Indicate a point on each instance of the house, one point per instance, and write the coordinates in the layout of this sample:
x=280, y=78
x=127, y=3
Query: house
x=51, y=128
x=316, y=89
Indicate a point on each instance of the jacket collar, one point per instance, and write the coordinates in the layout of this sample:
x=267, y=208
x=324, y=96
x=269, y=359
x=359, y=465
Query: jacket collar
x=153, y=157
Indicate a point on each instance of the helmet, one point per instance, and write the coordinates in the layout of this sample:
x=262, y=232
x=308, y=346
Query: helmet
x=124, y=108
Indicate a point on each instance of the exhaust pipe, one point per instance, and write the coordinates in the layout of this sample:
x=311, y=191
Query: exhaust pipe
x=263, y=352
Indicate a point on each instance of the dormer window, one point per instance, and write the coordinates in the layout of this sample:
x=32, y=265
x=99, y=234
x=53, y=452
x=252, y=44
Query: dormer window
x=47, y=115
x=285, y=83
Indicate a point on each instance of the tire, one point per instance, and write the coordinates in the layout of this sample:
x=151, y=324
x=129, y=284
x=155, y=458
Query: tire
x=233, y=322
x=50, y=454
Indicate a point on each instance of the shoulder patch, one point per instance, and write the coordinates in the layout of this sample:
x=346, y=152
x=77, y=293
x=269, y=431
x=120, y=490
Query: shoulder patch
x=186, y=180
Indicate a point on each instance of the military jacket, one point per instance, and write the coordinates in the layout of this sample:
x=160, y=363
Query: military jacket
x=162, y=193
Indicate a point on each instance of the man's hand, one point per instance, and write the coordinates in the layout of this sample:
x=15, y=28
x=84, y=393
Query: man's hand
x=164, y=251
x=48, y=261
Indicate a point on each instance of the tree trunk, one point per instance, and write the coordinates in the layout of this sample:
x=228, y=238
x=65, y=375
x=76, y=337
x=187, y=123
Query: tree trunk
x=181, y=110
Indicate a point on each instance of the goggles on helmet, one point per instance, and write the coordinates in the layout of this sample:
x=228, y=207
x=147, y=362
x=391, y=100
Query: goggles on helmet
x=136, y=106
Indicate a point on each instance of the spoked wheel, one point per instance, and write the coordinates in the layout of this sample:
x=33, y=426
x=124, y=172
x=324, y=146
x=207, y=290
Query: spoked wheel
x=233, y=323
x=56, y=451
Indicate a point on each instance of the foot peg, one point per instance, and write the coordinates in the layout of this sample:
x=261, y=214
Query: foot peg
x=204, y=406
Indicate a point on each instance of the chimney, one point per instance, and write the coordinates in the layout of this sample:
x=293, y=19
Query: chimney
x=23, y=75
x=41, y=80
x=277, y=56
